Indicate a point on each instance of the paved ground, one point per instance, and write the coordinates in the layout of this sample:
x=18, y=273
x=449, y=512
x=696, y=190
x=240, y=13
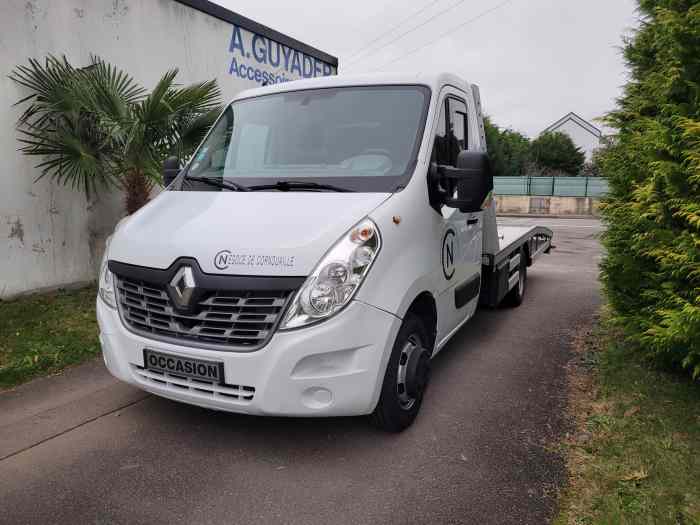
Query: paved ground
x=81, y=448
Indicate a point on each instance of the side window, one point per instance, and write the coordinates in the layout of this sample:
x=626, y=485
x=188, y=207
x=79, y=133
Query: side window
x=451, y=136
x=441, y=154
x=459, y=122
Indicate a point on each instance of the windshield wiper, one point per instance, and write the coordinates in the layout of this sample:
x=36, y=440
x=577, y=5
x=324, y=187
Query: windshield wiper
x=291, y=185
x=219, y=183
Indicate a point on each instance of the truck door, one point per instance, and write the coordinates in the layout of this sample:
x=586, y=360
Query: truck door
x=460, y=256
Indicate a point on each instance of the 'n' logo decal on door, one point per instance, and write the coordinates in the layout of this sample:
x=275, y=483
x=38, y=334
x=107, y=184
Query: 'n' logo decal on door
x=448, y=254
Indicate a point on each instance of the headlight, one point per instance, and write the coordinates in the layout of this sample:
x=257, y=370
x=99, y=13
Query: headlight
x=106, y=281
x=336, y=278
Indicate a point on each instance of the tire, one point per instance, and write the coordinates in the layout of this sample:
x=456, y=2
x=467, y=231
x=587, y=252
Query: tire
x=515, y=297
x=396, y=411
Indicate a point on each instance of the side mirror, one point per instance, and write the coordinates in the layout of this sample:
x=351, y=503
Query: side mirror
x=472, y=179
x=171, y=169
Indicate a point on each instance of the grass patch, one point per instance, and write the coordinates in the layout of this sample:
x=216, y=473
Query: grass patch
x=634, y=457
x=43, y=334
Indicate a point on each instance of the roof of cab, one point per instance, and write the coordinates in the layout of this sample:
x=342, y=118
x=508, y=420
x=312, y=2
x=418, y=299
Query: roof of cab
x=434, y=81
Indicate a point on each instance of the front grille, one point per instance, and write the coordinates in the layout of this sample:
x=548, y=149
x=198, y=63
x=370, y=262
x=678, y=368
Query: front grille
x=199, y=387
x=221, y=318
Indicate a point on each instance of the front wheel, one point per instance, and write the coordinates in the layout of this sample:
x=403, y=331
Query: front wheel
x=406, y=378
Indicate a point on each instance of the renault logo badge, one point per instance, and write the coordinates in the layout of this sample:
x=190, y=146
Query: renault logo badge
x=182, y=287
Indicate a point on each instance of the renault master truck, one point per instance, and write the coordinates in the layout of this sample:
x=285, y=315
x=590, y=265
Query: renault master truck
x=322, y=245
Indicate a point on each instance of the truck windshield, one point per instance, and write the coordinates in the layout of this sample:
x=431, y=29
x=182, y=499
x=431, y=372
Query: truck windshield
x=354, y=138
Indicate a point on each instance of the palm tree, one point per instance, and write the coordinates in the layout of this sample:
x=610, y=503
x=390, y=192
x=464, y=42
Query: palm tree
x=96, y=128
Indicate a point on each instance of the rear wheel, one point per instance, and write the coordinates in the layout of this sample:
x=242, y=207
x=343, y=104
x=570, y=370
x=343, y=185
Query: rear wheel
x=406, y=378
x=517, y=294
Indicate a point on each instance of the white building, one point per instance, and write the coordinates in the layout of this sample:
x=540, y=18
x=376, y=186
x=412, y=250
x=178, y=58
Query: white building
x=584, y=134
x=51, y=235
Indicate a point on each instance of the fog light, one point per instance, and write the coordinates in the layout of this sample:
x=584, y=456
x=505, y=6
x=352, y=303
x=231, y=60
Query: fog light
x=317, y=397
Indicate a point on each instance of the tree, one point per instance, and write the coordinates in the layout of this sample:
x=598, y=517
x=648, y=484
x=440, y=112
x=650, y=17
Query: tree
x=508, y=150
x=556, y=152
x=96, y=128
x=593, y=168
x=651, y=271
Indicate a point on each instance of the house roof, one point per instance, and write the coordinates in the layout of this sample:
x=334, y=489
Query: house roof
x=579, y=121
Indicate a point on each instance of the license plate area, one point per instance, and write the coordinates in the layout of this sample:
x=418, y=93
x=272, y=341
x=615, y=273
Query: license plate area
x=200, y=369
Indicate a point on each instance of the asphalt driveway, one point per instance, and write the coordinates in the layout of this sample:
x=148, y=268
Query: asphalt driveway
x=82, y=448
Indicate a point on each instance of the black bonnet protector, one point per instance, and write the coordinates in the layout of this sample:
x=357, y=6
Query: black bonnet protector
x=205, y=281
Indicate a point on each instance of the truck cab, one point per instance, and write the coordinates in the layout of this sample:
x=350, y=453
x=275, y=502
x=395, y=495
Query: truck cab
x=322, y=245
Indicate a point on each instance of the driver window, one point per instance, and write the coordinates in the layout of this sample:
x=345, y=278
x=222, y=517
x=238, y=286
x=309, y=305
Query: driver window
x=440, y=153
x=450, y=139
x=451, y=135
x=458, y=122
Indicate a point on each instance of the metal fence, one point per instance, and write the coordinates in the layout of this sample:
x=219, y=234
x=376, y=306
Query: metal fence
x=551, y=186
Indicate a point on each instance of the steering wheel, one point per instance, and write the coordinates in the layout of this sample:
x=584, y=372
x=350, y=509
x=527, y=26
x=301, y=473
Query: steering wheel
x=375, y=151
x=372, y=159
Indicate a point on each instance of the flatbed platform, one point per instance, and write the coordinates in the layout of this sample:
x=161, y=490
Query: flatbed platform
x=500, y=268
x=511, y=238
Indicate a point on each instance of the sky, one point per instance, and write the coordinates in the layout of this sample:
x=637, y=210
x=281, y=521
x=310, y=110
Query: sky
x=534, y=60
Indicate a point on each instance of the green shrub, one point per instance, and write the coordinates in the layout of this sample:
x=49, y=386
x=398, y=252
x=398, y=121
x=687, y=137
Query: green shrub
x=651, y=272
x=509, y=150
x=555, y=152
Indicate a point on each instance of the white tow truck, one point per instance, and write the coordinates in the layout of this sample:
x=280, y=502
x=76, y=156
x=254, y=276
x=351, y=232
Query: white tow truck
x=326, y=240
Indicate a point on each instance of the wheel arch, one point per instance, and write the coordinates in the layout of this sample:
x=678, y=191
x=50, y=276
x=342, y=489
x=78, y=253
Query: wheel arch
x=424, y=307
x=528, y=255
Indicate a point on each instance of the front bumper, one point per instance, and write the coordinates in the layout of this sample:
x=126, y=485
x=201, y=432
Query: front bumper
x=334, y=368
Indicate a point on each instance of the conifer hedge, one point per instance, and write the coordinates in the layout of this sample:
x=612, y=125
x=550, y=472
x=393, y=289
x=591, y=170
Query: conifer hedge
x=651, y=271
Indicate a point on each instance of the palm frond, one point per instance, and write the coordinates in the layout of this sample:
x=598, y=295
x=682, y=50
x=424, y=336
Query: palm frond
x=192, y=131
x=116, y=85
x=51, y=86
x=68, y=159
x=196, y=98
x=92, y=126
x=155, y=109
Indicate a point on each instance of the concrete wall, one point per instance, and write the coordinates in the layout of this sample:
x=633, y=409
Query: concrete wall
x=51, y=235
x=524, y=205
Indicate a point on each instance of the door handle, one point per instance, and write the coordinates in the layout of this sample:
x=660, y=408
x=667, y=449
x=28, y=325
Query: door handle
x=472, y=221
